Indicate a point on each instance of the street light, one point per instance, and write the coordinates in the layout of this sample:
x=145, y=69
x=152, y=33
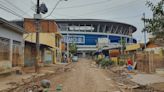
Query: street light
x=54, y=7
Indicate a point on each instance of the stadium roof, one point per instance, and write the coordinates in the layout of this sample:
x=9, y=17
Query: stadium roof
x=95, y=21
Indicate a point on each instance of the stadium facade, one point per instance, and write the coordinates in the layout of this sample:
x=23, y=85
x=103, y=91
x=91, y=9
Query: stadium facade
x=87, y=33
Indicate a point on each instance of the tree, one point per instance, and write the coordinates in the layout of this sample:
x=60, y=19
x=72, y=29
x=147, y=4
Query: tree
x=155, y=25
x=123, y=44
x=73, y=48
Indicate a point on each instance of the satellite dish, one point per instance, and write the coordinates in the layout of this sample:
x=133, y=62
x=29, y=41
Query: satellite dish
x=43, y=8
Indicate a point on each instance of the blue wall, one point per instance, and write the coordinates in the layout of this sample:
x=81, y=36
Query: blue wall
x=92, y=39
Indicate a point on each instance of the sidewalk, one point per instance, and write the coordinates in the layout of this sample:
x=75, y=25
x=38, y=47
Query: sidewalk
x=8, y=81
x=146, y=79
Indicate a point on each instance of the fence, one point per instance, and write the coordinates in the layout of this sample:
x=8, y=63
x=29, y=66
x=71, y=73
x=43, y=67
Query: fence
x=148, y=61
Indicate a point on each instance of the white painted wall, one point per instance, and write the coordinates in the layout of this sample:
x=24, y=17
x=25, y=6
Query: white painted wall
x=10, y=34
x=5, y=32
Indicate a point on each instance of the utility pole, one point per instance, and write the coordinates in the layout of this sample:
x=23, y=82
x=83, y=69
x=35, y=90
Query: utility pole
x=39, y=9
x=144, y=32
x=67, y=44
x=37, y=18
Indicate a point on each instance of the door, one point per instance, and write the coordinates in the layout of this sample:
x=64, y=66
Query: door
x=16, y=54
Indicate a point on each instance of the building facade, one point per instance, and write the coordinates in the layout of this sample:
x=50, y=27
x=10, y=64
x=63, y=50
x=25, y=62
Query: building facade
x=11, y=45
x=89, y=34
x=49, y=40
x=50, y=48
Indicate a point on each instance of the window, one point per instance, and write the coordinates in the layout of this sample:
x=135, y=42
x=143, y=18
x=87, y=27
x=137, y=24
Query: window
x=4, y=49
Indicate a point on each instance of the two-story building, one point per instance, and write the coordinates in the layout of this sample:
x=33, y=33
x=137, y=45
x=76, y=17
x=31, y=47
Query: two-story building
x=49, y=39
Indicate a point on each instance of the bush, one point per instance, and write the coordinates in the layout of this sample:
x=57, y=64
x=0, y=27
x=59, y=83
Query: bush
x=121, y=63
x=106, y=62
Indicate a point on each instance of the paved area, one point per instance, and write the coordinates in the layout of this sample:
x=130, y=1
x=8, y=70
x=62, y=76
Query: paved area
x=84, y=78
x=145, y=79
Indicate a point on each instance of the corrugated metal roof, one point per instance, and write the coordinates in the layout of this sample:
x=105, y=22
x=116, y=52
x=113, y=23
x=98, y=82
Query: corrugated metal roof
x=15, y=28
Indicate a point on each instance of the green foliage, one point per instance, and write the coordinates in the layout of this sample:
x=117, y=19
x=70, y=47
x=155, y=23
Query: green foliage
x=123, y=43
x=121, y=63
x=106, y=62
x=73, y=48
x=155, y=25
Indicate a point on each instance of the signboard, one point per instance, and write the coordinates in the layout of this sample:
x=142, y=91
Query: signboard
x=74, y=38
x=132, y=47
x=47, y=26
x=81, y=28
x=103, y=42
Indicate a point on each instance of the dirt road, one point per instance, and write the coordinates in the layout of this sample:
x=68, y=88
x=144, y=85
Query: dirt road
x=84, y=77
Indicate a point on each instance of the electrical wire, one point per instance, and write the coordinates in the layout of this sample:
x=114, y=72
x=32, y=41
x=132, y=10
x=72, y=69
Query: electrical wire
x=107, y=9
x=14, y=13
x=111, y=18
x=53, y=9
x=16, y=7
x=133, y=16
x=68, y=16
x=10, y=11
x=85, y=5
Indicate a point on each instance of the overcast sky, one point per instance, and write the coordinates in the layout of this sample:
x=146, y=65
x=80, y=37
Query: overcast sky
x=126, y=11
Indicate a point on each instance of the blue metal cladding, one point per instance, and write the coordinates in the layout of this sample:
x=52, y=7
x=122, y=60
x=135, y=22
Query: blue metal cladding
x=114, y=39
x=91, y=39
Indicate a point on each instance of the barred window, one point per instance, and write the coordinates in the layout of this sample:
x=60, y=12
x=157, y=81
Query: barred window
x=4, y=49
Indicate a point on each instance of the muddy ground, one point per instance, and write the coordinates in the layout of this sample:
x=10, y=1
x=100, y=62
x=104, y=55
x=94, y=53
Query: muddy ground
x=85, y=76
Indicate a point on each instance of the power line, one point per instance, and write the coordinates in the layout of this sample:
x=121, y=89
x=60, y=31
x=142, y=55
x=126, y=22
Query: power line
x=16, y=7
x=106, y=9
x=53, y=9
x=85, y=5
x=127, y=17
x=76, y=6
x=133, y=16
x=69, y=16
x=9, y=10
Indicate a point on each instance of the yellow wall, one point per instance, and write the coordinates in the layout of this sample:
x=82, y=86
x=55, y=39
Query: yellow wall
x=48, y=39
x=45, y=38
x=115, y=59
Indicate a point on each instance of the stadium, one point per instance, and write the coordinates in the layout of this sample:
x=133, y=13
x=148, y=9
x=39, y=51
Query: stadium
x=87, y=33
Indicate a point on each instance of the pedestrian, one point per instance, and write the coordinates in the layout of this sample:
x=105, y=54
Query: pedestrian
x=100, y=57
x=65, y=58
x=129, y=64
x=129, y=61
